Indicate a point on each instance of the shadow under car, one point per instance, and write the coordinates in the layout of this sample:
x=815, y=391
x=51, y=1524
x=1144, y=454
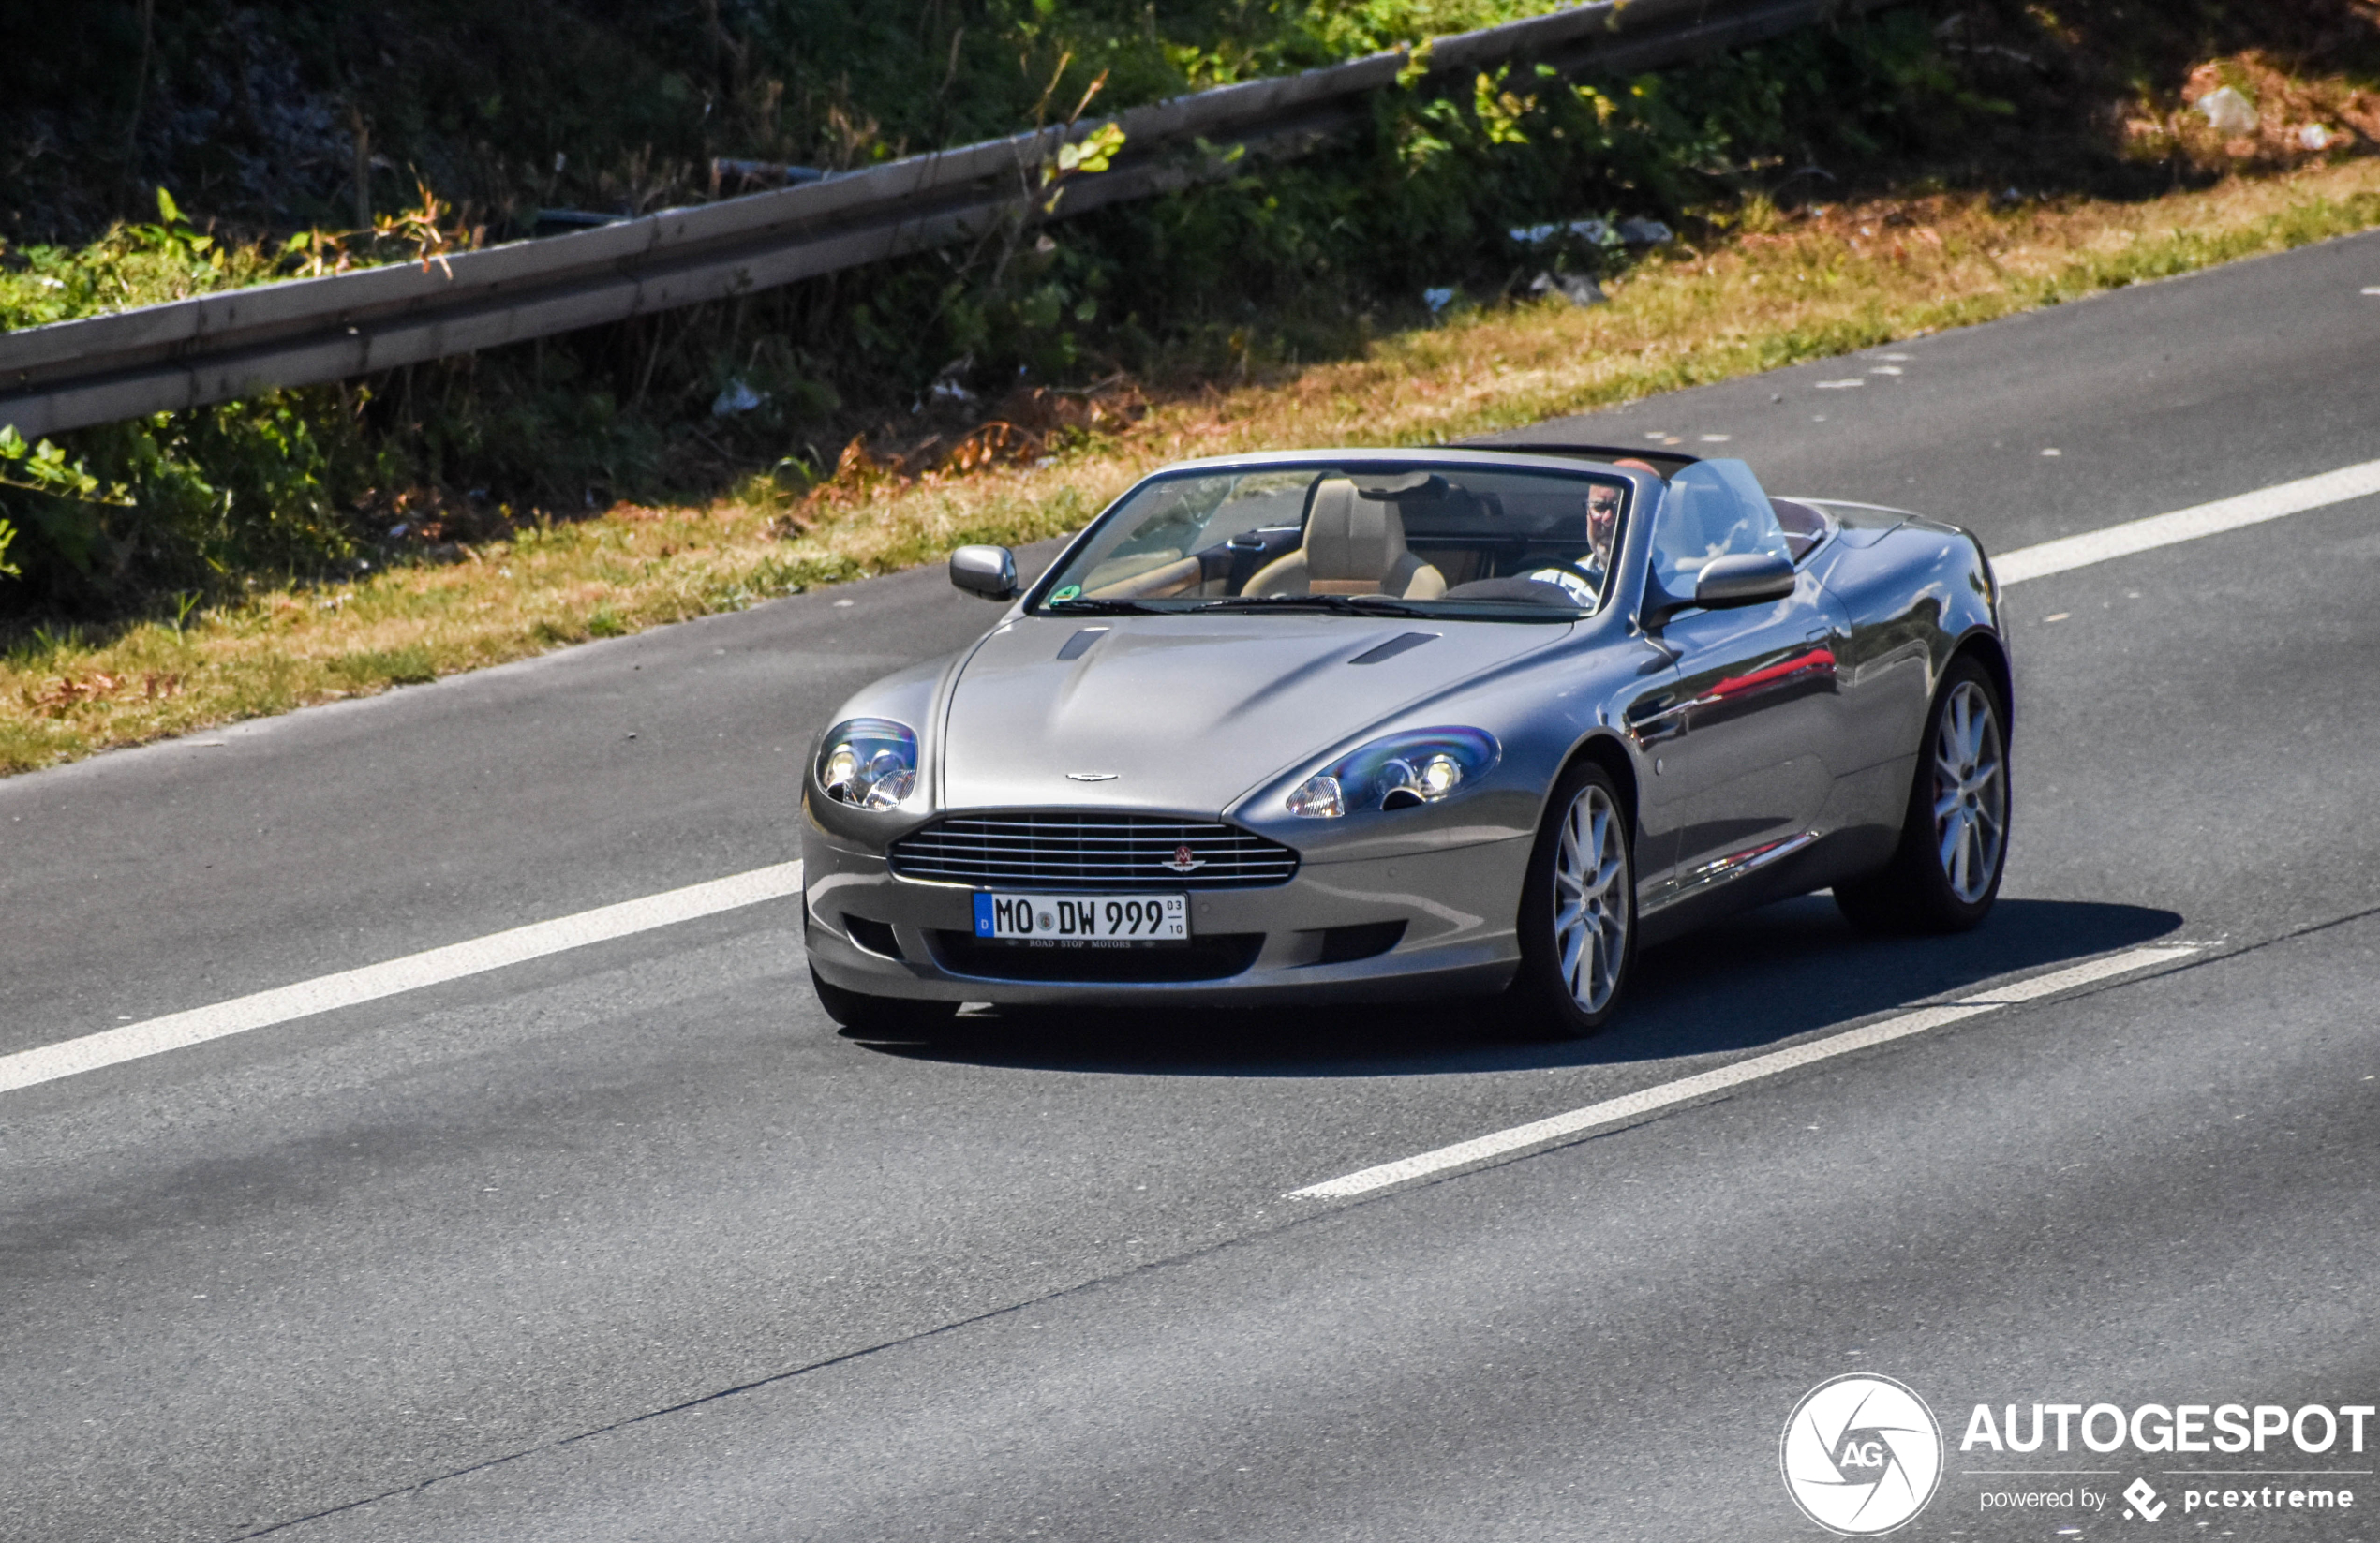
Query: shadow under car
x=1757, y=979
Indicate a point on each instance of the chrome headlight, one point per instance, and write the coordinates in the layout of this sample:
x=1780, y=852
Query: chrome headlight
x=869, y=761
x=1402, y=771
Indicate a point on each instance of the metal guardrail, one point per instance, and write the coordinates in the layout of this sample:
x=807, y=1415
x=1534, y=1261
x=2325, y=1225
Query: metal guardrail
x=303, y=332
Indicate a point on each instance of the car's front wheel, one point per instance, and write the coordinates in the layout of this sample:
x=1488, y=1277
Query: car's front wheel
x=892, y=1017
x=1953, y=843
x=1578, y=909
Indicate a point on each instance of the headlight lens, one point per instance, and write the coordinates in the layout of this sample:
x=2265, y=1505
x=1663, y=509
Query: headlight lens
x=1402, y=771
x=871, y=762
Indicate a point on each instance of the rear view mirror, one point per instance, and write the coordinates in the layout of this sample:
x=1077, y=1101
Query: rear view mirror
x=1745, y=579
x=989, y=571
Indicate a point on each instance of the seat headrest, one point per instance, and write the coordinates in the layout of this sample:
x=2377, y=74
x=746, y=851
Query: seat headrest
x=1349, y=538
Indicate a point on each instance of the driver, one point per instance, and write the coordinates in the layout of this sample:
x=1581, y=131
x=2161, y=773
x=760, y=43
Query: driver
x=1603, y=515
x=1583, y=577
x=1602, y=520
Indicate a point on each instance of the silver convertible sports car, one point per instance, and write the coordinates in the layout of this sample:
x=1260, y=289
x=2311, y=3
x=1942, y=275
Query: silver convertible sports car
x=1361, y=724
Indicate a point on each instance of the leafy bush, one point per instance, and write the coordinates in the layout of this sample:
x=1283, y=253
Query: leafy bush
x=1271, y=261
x=1275, y=259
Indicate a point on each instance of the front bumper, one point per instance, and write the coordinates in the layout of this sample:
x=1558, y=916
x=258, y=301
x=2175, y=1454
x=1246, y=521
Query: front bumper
x=1273, y=943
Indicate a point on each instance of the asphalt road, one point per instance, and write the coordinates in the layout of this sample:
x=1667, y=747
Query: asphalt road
x=630, y=1242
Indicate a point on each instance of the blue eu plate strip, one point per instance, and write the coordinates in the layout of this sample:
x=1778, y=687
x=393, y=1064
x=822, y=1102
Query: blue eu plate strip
x=983, y=916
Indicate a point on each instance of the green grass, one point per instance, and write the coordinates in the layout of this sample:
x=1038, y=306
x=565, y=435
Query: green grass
x=369, y=669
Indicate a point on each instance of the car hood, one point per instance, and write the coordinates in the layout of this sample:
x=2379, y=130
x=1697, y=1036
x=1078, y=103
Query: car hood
x=1188, y=713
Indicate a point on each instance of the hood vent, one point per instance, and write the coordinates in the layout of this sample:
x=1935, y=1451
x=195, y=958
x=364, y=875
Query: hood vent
x=1394, y=647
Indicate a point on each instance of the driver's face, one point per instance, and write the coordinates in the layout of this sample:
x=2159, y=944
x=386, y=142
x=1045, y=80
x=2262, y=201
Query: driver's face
x=1602, y=514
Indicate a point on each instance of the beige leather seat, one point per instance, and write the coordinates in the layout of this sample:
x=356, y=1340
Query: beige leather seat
x=1353, y=545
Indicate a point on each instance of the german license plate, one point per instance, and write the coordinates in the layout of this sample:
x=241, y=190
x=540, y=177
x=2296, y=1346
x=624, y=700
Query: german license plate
x=1109, y=920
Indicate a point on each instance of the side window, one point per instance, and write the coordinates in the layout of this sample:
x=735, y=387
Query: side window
x=1805, y=526
x=1712, y=508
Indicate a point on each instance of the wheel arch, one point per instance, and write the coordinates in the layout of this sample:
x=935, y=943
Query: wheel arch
x=1604, y=750
x=1986, y=650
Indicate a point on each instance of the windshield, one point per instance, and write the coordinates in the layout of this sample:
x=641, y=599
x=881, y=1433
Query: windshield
x=1446, y=541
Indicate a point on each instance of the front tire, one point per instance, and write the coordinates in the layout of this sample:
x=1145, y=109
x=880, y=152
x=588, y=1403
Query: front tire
x=1953, y=844
x=1578, y=909
x=891, y=1018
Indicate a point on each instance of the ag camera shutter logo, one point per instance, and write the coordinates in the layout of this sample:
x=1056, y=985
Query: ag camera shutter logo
x=1861, y=1455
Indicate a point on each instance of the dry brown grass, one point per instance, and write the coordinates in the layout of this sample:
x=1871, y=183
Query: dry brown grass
x=1775, y=292
x=2299, y=116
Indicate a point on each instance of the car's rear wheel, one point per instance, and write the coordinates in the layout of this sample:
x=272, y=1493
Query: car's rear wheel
x=1953, y=845
x=894, y=1016
x=1578, y=909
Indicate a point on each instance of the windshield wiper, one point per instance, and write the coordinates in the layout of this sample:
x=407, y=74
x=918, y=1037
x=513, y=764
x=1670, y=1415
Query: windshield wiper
x=1345, y=605
x=1107, y=608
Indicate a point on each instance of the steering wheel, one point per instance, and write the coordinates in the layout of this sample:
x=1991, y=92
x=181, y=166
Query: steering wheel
x=1584, y=583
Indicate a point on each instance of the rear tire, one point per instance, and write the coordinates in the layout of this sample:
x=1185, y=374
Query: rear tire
x=889, y=1016
x=1953, y=843
x=1577, y=920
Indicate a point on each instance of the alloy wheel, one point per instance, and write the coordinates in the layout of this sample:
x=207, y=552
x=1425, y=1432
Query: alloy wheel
x=1970, y=792
x=1590, y=899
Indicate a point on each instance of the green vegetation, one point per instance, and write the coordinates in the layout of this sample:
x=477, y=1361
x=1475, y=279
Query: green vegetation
x=287, y=112
x=303, y=135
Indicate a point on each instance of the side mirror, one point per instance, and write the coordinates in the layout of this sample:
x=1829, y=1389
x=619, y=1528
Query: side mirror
x=1745, y=579
x=989, y=571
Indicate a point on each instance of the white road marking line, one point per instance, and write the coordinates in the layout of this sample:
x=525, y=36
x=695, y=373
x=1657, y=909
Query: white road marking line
x=155, y=1036
x=2188, y=525
x=1687, y=1089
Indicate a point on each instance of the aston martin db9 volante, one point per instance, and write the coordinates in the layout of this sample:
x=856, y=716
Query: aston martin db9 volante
x=1360, y=724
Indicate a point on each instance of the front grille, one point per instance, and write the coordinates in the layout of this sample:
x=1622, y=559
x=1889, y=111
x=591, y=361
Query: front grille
x=1088, y=852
